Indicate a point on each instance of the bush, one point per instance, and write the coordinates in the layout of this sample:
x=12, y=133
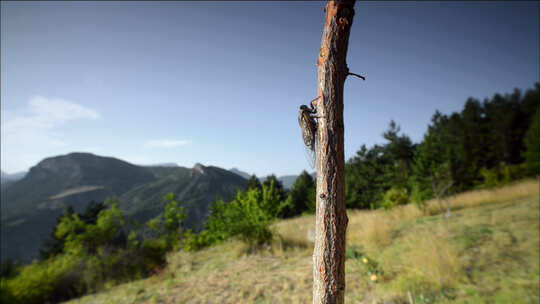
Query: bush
x=301, y=198
x=168, y=226
x=49, y=281
x=9, y=268
x=247, y=217
x=395, y=197
x=92, y=253
x=193, y=241
x=501, y=175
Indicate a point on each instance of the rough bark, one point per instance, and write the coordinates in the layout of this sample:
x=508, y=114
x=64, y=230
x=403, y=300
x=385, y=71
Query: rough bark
x=331, y=216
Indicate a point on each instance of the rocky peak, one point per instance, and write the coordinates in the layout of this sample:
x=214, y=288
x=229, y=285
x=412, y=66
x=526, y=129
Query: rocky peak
x=199, y=169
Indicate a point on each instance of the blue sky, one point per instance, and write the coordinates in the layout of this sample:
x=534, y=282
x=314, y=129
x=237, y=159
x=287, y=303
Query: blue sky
x=220, y=82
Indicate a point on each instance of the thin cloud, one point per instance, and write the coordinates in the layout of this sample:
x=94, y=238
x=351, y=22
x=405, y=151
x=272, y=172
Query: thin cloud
x=42, y=113
x=37, y=126
x=165, y=143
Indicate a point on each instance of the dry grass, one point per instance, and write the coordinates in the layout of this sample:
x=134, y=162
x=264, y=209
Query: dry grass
x=424, y=260
x=373, y=229
x=474, y=198
x=487, y=252
x=293, y=235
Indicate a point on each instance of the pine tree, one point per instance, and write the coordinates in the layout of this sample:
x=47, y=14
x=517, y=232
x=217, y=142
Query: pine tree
x=253, y=183
x=532, y=144
x=301, y=197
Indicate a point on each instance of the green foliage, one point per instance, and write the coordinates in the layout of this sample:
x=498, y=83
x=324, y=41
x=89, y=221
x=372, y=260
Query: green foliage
x=247, y=217
x=434, y=161
x=194, y=241
x=277, y=186
x=374, y=171
x=301, y=198
x=54, y=245
x=153, y=253
x=399, y=151
x=501, y=174
x=253, y=182
x=48, y=281
x=9, y=268
x=532, y=143
x=80, y=237
x=395, y=197
x=480, y=146
x=370, y=268
x=94, y=253
x=491, y=177
x=365, y=181
x=168, y=226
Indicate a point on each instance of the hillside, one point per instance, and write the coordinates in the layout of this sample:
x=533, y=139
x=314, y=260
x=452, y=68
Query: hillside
x=6, y=178
x=44, y=185
x=486, y=252
x=31, y=205
x=195, y=188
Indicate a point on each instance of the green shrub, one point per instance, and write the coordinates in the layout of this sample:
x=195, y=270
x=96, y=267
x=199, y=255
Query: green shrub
x=153, y=252
x=193, y=241
x=168, y=226
x=93, y=254
x=9, y=268
x=6, y=295
x=371, y=269
x=395, y=197
x=247, y=217
x=501, y=174
x=48, y=281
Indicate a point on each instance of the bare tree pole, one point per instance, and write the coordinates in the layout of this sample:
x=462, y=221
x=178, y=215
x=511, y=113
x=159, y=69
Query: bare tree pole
x=331, y=216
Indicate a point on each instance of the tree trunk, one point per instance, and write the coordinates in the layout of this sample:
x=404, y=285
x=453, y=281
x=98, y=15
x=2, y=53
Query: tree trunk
x=440, y=206
x=331, y=216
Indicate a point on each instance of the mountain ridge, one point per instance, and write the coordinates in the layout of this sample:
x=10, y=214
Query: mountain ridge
x=287, y=180
x=11, y=177
x=31, y=205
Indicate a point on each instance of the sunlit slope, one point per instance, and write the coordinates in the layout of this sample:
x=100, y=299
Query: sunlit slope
x=487, y=251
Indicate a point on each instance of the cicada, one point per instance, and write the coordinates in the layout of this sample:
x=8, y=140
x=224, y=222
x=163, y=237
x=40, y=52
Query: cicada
x=308, y=125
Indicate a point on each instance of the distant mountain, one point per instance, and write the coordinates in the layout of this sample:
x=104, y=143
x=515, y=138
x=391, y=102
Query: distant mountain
x=55, y=180
x=289, y=180
x=241, y=173
x=8, y=178
x=31, y=205
x=163, y=165
x=286, y=180
x=194, y=188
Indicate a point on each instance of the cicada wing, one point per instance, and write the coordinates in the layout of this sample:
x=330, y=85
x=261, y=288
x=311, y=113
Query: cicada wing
x=308, y=126
x=310, y=157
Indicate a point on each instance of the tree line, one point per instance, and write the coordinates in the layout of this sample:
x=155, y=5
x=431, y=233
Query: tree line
x=486, y=144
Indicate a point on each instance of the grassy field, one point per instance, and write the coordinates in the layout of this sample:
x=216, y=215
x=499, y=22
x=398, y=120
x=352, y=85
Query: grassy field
x=486, y=252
